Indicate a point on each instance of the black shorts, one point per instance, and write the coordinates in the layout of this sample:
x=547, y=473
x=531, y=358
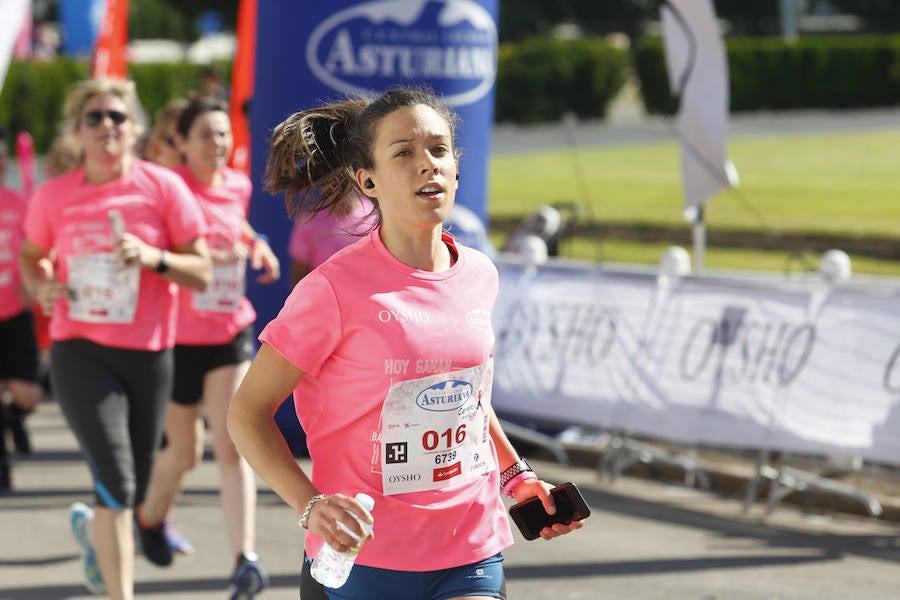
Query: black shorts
x=18, y=349
x=192, y=363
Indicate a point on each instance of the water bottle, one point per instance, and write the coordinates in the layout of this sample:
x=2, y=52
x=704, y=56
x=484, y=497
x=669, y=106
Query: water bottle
x=331, y=568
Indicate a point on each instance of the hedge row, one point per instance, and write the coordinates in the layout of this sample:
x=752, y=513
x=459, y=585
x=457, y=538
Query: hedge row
x=771, y=74
x=539, y=80
x=34, y=92
x=542, y=79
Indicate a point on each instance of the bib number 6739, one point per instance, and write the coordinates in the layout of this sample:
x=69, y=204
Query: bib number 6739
x=431, y=439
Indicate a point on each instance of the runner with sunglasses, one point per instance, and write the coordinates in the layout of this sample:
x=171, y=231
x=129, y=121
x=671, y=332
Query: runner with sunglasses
x=123, y=234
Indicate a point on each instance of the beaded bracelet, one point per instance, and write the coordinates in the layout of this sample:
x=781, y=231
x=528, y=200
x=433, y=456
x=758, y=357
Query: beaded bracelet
x=305, y=517
x=512, y=483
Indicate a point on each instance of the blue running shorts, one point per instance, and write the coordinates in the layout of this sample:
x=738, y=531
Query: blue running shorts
x=484, y=578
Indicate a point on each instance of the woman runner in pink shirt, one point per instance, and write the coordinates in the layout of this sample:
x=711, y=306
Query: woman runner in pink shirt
x=387, y=348
x=18, y=348
x=122, y=234
x=214, y=344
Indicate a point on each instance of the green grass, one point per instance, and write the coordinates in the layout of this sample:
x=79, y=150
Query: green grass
x=845, y=184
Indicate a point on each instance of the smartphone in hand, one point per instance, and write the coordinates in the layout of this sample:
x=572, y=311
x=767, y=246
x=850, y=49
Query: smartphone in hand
x=530, y=516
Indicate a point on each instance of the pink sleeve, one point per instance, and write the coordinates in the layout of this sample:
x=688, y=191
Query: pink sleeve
x=37, y=222
x=247, y=193
x=184, y=219
x=308, y=328
x=297, y=241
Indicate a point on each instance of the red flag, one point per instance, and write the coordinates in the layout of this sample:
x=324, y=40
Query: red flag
x=110, y=52
x=242, y=85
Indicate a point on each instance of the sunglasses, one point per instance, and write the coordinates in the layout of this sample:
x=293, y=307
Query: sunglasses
x=93, y=118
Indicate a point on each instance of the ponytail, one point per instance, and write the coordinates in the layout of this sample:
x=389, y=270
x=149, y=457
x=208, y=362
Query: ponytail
x=308, y=161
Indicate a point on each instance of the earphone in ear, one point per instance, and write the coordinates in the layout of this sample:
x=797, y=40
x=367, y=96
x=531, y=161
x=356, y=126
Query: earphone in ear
x=457, y=175
x=369, y=184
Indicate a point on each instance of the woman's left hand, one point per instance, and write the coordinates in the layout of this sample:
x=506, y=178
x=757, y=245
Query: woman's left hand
x=262, y=257
x=536, y=487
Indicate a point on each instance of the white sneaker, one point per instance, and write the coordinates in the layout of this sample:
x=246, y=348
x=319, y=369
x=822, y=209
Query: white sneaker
x=80, y=517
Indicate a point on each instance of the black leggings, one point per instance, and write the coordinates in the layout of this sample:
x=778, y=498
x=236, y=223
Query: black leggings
x=115, y=401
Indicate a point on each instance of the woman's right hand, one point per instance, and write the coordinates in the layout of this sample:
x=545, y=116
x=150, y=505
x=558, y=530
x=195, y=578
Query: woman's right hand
x=327, y=513
x=47, y=292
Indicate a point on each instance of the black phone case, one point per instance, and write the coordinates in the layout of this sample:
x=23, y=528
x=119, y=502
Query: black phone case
x=530, y=516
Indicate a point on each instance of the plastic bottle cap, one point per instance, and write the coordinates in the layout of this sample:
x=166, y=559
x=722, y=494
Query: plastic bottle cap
x=366, y=500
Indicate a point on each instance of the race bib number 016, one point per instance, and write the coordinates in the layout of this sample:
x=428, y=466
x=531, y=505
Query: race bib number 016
x=435, y=430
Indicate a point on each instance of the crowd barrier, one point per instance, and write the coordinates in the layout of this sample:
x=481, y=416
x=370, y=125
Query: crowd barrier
x=799, y=365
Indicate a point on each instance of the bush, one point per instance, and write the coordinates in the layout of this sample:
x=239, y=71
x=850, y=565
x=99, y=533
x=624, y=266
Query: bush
x=772, y=74
x=34, y=92
x=541, y=79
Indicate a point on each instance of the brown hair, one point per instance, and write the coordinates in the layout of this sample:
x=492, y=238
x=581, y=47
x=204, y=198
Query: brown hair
x=196, y=106
x=166, y=121
x=314, y=153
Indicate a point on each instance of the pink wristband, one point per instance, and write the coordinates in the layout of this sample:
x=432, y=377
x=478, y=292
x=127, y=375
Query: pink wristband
x=524, y=476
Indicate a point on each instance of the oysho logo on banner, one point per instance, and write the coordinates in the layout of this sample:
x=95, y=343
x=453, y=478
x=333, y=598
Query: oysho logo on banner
x=450, y=44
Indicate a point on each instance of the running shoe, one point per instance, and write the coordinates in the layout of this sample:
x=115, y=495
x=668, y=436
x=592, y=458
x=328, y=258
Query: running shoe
x=80, y=518
x=249, y=578
x=5, y=478
x=16, y=423
x=178, y=544
x=154, y=544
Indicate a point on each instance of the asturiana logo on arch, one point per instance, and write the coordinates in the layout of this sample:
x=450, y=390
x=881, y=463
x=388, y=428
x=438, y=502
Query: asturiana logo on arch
x=449, y=44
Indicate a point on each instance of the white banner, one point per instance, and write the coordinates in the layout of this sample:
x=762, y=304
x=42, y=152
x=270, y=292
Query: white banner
x=753, y=363
x=698, y=76
x=13, y=18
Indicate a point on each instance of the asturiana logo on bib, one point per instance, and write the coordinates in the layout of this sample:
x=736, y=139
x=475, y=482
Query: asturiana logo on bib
x=451, y=44
x=445, y=396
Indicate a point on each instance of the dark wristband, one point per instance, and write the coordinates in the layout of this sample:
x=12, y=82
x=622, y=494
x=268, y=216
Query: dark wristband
x=163, y=264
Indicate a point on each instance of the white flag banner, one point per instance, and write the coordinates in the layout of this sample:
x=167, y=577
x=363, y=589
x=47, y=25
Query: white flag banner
x=741, y=362
x=698, y=76
x=13, y=18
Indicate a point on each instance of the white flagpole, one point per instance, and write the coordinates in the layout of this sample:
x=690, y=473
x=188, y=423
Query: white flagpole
x=698, y=77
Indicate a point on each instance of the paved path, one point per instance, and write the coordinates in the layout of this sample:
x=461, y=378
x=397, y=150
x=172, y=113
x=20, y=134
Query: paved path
x=644, y=541
x=640, y=129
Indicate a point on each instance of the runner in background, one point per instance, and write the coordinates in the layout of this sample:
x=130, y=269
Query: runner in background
x=122, y=235
x=215, y=342
x=398, y=321
x=162, y=147
x=19, y=389
x=317, y=235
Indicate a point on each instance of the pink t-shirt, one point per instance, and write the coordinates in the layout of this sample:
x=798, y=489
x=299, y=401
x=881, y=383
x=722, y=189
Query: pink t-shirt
x=71, y=217
x=362, y=325
x=314, y=239
x=217, y=314
x=12, y=217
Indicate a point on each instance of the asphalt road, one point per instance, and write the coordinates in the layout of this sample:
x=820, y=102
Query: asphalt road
x=630, y=128
x=645, y=540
